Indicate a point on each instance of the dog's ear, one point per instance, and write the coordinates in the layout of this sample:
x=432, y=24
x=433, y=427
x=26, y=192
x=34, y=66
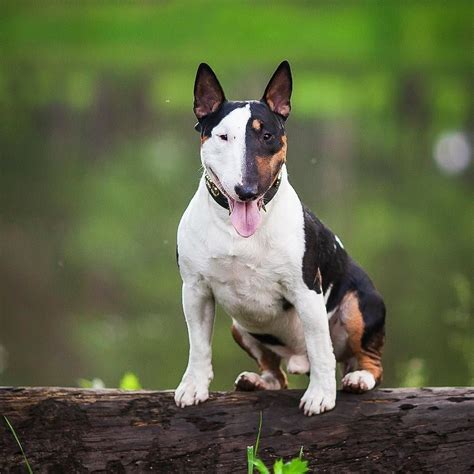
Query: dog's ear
x=278, y=92
x=208, y=93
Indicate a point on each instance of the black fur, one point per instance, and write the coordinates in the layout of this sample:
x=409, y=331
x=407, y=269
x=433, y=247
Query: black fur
x=264, y=142
x=207, y=124
x=323, y=252
x=267, y=339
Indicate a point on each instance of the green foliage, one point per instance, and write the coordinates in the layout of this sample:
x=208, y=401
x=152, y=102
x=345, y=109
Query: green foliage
x=294, y=466
x=130, y=382
x=10, y=426
x=94, y=383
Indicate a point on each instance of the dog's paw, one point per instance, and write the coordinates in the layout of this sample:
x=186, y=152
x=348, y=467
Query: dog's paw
x=191, y=391
x=250, y=381
x=358, y=381
x=316, y=401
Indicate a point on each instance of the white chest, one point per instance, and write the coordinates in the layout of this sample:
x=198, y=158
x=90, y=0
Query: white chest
x=250, y=287
x=248, y=277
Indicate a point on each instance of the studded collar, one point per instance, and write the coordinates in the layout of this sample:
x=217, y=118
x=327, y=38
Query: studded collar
x=221, y=199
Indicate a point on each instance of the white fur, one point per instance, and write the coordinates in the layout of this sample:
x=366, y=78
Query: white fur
x=199, y=310
x=298, y=364
x=227, y=157
x=359, y=380
x=327, y=294
x=249, y=278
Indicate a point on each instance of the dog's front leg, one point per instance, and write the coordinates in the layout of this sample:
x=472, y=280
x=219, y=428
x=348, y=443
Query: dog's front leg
x=320, y=395
x=199, y=310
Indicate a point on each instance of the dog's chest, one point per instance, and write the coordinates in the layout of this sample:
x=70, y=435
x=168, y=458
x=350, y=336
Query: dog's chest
x=247, y=282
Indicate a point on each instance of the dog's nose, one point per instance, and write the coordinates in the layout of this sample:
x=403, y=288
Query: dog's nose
x=246, y=192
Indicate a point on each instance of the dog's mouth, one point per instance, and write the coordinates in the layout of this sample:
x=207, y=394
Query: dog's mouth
x=244, y=215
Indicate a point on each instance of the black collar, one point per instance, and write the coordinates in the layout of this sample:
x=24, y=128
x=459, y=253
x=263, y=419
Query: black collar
x=216, y=194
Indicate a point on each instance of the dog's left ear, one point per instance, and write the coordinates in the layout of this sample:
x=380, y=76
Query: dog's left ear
x=278, y=92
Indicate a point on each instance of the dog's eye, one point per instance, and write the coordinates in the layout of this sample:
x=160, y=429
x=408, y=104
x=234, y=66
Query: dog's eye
x=223, y=137
x=267, y=136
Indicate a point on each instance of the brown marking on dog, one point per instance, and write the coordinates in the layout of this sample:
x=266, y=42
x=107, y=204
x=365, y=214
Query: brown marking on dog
x=318, y=282
x=267, y=360
x=256, y=124
x=367, y=358
x=370, y=358
x=203, y=139
x=269, y=166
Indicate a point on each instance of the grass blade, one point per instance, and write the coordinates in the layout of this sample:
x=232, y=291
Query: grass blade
x=301, y=453
x=19, y=444
x=250, y=458
x=257, y=443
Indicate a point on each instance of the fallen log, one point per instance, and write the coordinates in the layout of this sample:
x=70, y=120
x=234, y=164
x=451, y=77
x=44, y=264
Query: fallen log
x=77, y=430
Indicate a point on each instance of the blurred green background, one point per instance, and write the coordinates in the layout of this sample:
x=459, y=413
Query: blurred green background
x=99, y=159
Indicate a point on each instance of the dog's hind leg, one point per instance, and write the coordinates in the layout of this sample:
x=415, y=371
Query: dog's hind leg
x=364, y=322
x=271, y=377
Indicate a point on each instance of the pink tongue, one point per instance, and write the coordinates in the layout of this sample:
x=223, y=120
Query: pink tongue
x=245, y=217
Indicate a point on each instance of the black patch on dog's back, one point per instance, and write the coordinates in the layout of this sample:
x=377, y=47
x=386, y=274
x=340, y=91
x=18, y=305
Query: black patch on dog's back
x=373, y=311
x=323, y=253
x=336, y=268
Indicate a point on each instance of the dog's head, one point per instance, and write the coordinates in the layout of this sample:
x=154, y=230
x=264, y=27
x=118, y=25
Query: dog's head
x=243, y=144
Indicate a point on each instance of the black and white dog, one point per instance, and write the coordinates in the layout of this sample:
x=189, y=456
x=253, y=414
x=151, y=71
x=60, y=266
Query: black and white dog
x=247, y=242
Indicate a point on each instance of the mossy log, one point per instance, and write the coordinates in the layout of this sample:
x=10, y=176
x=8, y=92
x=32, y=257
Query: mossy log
x=76, y=430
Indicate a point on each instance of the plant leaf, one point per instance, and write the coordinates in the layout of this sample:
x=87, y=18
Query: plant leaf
x=295, y=466
x=301, y=453
x=257, y=443
x=278, y=466
x=130, y=382
x=19, y=445
x=94, y=383
x=84, y=383
x=250, y=458
x=261, y=468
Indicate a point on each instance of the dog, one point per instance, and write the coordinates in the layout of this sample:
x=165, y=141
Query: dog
x=247, y=242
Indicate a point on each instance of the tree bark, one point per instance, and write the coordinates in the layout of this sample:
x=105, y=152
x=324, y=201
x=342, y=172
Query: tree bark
x=76, y=430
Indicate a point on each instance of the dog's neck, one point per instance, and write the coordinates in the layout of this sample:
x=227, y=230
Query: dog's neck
x=221, y=199
x=222, y=213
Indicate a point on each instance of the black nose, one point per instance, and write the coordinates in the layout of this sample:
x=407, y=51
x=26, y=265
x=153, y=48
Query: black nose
x=246, y=192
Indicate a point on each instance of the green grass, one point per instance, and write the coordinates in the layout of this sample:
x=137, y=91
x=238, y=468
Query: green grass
x=19, y=444
x=294, y=466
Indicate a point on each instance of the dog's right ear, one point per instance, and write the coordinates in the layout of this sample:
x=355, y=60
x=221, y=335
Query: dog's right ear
x=208, y=93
